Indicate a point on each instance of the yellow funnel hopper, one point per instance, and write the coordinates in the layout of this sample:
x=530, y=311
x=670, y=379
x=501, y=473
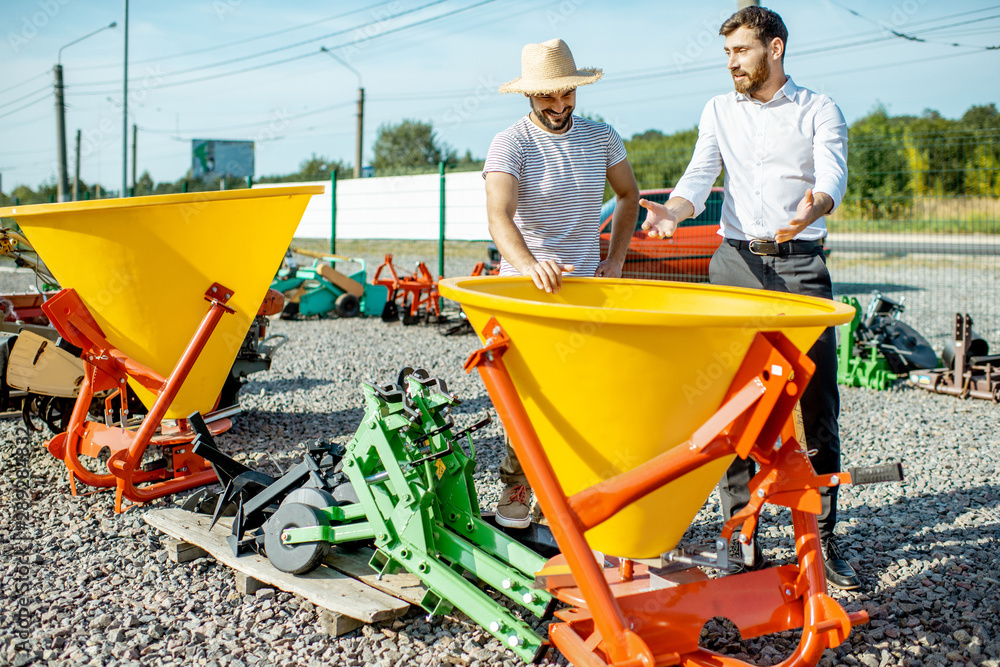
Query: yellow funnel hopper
x=615, y=372
x=142, y=267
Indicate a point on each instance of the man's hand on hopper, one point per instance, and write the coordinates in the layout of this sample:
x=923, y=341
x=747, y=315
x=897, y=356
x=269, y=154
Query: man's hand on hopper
x=547, y=274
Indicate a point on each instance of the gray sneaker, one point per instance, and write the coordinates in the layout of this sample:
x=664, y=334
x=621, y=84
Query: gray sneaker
x=513, y=510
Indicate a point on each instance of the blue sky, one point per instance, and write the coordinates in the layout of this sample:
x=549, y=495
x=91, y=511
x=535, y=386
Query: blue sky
x=662, y=60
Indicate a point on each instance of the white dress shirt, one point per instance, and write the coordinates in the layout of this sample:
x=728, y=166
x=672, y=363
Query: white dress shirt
x=772, y=153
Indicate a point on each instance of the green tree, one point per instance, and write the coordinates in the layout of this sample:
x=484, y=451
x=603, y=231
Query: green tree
x=409, y=144
x=145, y=185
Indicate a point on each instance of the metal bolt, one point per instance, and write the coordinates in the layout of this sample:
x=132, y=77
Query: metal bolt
x=121, y=381
x=496, y=331
x=744, y=539
x=215, y=289
x=285, y=537
x=760, y=493
x=228, y=296
x=507, y=584
x=528, y=598
x=513, y=641
x=788, y=592
x=495, y=626
x=835, y=480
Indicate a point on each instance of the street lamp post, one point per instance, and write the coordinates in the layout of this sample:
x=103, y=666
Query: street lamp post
x=124, y=192
x=361, y=110
x=63, y=183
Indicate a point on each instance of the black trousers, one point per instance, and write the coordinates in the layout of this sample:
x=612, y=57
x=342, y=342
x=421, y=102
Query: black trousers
x=804, y=274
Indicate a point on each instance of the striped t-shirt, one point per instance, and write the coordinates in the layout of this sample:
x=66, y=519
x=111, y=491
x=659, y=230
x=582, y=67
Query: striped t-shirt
x=560, y=187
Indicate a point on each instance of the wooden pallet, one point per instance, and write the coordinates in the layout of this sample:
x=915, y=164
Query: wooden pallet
x=345, y=587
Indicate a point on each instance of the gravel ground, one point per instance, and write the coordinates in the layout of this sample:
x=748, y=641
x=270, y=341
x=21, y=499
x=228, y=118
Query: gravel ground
x=98, y=588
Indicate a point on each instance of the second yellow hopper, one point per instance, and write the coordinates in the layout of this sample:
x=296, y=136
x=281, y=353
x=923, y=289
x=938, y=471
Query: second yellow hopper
x=614, y=372
x=142, y=266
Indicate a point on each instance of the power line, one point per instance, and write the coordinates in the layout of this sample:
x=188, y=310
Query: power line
x=274, y=50
x=29, y=104
x=18, y=85
x=241, y=41
x=24, y=97
x=300, y=57
x=914, y=38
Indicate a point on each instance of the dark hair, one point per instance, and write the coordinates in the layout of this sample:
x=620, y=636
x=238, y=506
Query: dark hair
x=765, y=24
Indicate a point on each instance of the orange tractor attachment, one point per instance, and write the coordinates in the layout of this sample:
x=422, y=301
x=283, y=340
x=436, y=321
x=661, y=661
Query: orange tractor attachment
x=409, y=294
x=134, y=272
x=625, y=401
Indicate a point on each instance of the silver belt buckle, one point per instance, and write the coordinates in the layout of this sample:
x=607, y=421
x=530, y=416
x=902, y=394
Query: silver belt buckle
x=759, y=247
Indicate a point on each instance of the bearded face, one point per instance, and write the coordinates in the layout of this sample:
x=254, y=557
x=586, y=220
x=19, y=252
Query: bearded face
x=750, y=78
x=554, y=111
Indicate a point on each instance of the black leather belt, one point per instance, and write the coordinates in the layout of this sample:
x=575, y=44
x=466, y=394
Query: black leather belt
x=759, y=247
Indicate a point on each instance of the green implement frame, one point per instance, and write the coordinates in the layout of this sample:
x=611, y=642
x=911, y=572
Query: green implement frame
x=860, y=364
x=417, y=501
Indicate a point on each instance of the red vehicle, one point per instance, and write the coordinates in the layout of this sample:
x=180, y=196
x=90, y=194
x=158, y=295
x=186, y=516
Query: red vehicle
x=684, y=256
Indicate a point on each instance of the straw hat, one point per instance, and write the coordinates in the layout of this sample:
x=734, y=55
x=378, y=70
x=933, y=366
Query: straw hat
x=549, y=68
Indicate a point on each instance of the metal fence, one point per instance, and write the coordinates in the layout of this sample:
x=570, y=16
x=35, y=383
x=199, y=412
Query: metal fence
x=920, y=224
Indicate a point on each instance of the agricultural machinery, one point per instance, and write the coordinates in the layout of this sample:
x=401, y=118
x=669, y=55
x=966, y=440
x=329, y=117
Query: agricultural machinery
x=42, y=381
x=877, y=348
x=136, y=274
x=969, y=369
x=619, y=486
x=321, y=289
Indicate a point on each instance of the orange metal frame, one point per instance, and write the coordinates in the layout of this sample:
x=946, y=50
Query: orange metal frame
x=615, y=616
x=416, y=290
x=109, y=369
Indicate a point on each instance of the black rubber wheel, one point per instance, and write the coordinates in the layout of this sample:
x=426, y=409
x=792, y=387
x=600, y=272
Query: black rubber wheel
x=294, y=558
x=347, y=305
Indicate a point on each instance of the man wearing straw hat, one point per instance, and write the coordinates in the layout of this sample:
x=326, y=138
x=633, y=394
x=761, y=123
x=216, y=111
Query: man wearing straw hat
x=545, y=179
x=784, y=151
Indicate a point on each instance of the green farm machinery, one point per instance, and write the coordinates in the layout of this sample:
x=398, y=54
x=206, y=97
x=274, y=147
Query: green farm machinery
x=403, y=482
x=876, y=348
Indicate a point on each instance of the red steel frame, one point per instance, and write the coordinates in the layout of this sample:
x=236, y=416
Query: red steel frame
x=109, y=369
x=417, y=290
x=616, y=617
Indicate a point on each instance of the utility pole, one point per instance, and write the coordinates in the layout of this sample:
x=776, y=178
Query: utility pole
x=76, y=173
x=361, y=110
x=124, y=192
x=62, y=185
x=135, y=141
x=361, y=130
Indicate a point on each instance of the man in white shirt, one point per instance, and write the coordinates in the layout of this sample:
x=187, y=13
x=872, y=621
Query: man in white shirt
x=784, y=151
x=545, y=179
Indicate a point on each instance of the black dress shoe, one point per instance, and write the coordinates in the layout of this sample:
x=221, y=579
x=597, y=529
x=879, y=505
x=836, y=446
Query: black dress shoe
x=839, y=572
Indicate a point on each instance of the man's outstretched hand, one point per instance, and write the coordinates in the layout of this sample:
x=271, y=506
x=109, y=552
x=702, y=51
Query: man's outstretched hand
x=661, y=222
x=547, y=274
x=811, y=208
